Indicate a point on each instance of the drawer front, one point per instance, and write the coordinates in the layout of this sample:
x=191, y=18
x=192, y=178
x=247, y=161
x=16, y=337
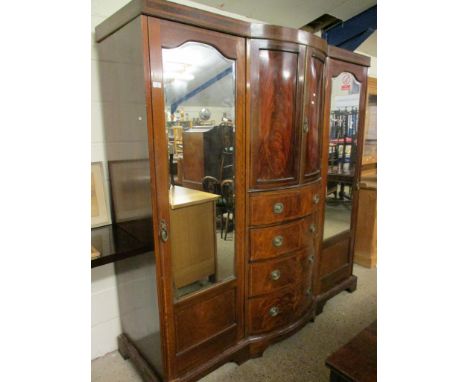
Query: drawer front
x=310, y=231
x=271, y=312
x=274, y=241
x=304, y=299
x=269, y=276
x=275, y=207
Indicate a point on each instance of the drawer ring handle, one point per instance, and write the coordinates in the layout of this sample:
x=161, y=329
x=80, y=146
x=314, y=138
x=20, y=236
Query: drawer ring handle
x=278, y=208
x=274, y=311
x=278, y=241
x=312, y=228
x=275, y=275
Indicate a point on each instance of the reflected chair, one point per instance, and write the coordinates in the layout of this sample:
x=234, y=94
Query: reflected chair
x=227, y=193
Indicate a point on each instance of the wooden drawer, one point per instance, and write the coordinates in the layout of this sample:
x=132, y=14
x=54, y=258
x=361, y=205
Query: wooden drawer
x=279, y=206
x=274, y=241
x=304, y=299
x=269, y=276
x=310, y=231
x=271, y=312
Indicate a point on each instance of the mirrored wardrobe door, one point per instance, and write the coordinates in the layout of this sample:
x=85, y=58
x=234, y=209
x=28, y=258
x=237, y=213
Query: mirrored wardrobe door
x=342, y=153
x=198, y=79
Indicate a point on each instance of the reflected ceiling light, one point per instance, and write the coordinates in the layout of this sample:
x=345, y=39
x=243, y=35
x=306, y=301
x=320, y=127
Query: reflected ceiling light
x=286, y=74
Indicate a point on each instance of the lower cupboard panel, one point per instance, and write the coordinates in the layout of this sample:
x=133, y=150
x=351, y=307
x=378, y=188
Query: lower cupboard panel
x=205, y=351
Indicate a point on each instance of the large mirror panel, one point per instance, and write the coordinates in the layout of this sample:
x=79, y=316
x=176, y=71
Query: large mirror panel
x=342, y=153
x=199, y=91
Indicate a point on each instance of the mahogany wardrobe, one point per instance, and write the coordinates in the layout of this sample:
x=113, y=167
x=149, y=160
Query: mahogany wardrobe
x=216, y=134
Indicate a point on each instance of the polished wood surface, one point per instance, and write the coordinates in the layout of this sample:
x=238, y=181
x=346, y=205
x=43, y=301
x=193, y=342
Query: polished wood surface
x=264, y=246
x=365, y=247
x=335, y=261
x=269, y=276
x=275, y=131
x=231, y=320
x=186, y=15
x=260, y=318
x=193, y=236
x=181, y=364
x=297, y=202
x=357, y=360
x=216, y=314
x=117, y=242
x=180, y=197
x=313, y=113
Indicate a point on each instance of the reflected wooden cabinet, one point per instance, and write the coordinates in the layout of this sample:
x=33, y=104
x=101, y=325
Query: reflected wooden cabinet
x=236, y=257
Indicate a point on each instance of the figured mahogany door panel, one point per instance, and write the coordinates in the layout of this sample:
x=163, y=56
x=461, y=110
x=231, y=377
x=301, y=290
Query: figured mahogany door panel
x=276, y=83
x=272, y=311
x=280, y=206
x=274, y=241
x=206, y=351
x=204, y=319
x=313, y=116
x=269, y=276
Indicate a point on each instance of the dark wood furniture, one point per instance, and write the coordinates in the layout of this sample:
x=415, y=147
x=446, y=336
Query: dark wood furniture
x=357, y=360
x=277, y=172
x=335, y=263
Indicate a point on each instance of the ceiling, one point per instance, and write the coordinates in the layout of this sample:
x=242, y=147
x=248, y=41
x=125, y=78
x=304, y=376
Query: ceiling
x=290, y=13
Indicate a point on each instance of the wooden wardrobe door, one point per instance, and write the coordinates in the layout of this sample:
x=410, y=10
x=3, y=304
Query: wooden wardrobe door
x=276, y=85
x=313, y=115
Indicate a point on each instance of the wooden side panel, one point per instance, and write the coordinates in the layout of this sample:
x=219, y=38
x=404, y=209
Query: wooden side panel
x=365, y=247
x=334, y=256
x=276, y=84
x=313, y=118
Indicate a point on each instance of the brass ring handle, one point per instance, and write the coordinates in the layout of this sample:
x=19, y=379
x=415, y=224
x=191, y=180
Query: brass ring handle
x=316, y=198
x=308, y=291
x=312, y=228
x=311, y=258
x=274, y=311
x=278, y=241
x=275, y=275
x=278, y=208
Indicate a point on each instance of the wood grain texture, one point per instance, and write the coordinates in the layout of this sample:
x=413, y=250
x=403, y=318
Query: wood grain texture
x=193, y=236
x=297, y=202
x=334, y=255
x=193, y=169
x=259, y=318
x=261, y=280
x=186, y=15
x=276, y=83
x=313, y=112
x=262, y=240
x=201, y=320
x=365, y=247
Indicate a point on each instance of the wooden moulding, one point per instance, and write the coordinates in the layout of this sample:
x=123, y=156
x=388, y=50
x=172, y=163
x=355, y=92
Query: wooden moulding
x=208, y=20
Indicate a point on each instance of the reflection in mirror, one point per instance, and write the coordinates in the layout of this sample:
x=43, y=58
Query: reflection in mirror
x=342, y=153
x=199, y=92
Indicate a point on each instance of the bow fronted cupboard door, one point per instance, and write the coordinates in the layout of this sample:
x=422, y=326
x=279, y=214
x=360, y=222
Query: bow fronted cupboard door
x=344, y=114
x=284, y=109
